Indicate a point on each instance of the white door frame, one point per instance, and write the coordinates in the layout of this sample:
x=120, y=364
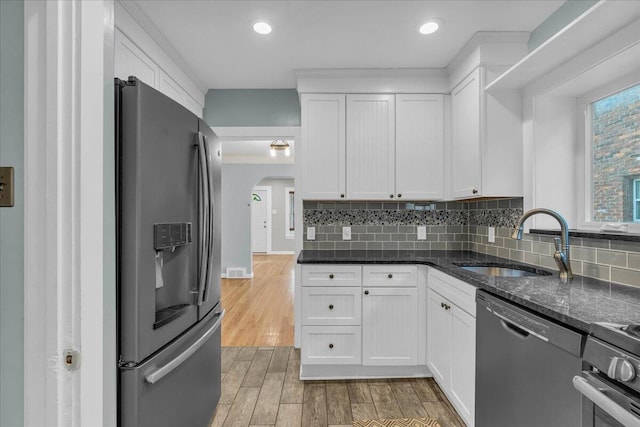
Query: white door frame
x=293, y=133
x=269, y=216
x=67, y=64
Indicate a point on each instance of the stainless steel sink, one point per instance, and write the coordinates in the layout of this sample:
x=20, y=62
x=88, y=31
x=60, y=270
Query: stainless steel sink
x=503, y=270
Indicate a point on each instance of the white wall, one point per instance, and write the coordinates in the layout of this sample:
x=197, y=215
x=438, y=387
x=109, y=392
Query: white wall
x=279, y=243
x=237, y=182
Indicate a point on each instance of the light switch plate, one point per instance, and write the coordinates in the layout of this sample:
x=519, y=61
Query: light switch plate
x=346, y=233
x=492, y=235
x=311, y=233
x=422, y=232
x=6, y=187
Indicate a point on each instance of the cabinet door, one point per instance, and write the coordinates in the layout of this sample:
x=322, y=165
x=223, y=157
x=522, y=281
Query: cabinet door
x=390, y=326
x=438, y=338
x=371, y=147
x=129, y=60
x=323, y=147
x=419, y=147
x=466, y=141
x=463, y=363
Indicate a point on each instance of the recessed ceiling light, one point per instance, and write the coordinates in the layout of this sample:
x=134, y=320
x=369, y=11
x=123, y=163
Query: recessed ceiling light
x=430, y=26
x=262, y=28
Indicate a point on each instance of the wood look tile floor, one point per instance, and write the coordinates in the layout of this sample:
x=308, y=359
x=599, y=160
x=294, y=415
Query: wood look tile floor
x=259, y=311
x=261, y=387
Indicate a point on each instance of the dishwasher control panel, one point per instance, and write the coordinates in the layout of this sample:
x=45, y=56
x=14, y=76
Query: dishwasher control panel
x=519, y=320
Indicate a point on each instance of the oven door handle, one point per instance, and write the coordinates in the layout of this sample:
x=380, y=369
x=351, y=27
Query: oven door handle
x=595, y=395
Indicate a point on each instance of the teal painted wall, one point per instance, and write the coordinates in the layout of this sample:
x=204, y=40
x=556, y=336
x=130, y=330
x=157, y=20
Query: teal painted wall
x=559, y=19
x=12, y=219
x=252, y=107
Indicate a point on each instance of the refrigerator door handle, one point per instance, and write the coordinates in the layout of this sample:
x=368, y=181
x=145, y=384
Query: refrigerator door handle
x=165, y=370
x=203, y=217
x=205, y=292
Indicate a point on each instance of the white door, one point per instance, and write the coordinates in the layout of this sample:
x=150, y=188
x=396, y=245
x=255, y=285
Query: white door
x=438, y=338
x=260, y=220
x=419, y=147
x=371, y=134
x=389, y=326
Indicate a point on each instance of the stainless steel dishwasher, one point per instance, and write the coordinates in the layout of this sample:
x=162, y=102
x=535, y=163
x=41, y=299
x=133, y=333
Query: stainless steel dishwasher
x=524, y=368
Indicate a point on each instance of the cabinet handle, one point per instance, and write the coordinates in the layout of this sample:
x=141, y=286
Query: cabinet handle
x=399, y=195
x=475, y=191
x=342, y=196
x=366, y=292
x=442, y=305
x=447, y=306
x=331, y=276
x=390, y=276
x=330, y=345
x=330, y=306
x=391, y=196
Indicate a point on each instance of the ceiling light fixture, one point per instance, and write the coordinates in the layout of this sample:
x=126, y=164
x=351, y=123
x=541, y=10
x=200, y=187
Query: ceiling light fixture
x=279, y=145
x=430, y=27
x=262, y=28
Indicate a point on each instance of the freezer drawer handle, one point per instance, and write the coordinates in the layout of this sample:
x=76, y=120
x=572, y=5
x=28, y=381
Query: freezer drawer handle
x=609, y=406
x=160, y=373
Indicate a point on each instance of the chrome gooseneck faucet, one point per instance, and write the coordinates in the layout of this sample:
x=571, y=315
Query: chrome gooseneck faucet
x=561, y=256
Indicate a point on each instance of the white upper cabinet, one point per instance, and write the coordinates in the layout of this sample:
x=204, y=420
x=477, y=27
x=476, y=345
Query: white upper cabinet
x=485, y=154
x=419, y=151
x=131, y=61
x=370, y=147
x=323, y=146
x=466, y=155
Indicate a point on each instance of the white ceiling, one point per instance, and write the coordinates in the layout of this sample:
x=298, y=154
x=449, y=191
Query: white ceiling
x=216, y=40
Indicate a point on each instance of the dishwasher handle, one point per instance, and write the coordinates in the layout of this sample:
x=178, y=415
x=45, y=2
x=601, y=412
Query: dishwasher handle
x=515, y=328
x=599, y=398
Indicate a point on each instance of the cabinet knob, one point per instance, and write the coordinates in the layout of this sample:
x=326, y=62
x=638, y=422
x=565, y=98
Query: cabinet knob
x=390, y=276
x=342, y=196
x=442, y=304
x=475, y=191
x=330, y=345
x=399, y=195
x=391, y=196
x=366, y=292
x=330, y=306
x=331, y=276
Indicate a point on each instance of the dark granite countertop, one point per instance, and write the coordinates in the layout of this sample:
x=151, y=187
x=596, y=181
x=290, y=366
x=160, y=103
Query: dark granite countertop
x=607, y=235
x=578, y=303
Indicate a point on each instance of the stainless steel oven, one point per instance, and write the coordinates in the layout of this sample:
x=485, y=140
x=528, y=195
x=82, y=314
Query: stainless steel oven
x=610, y=386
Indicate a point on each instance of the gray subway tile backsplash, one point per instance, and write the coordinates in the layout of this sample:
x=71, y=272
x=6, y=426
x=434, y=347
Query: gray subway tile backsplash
x=462, y=226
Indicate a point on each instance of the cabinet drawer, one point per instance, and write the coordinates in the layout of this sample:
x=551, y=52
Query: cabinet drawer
x=331, y=345
x=331, y=275
x=390, y=275
x=456, y=291
x=331, y=305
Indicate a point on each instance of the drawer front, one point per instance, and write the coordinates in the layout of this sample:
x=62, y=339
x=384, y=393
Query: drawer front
x=456, y=291
x=390, y=275
x=331, y=305
x=331, y=345
x=331, y=275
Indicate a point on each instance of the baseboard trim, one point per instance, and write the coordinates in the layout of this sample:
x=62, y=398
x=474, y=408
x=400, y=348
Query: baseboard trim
x=281, y=253
x=246, y=276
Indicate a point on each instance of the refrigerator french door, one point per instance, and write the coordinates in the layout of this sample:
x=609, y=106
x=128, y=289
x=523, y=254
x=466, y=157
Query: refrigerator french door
x=168, y=244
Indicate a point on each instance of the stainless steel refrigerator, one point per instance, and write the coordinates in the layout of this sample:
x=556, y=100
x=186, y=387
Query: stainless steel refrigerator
x=168, y=261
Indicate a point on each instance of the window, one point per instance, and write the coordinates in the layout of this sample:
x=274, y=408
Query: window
x=290, y=219
x=613, y=142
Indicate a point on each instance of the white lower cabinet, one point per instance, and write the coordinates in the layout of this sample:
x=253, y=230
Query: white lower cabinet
x=372, y=316
x=389, y=326
x=451, y=340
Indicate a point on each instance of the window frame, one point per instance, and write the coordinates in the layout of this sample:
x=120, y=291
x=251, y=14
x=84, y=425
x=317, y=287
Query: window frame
x=585, y=152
